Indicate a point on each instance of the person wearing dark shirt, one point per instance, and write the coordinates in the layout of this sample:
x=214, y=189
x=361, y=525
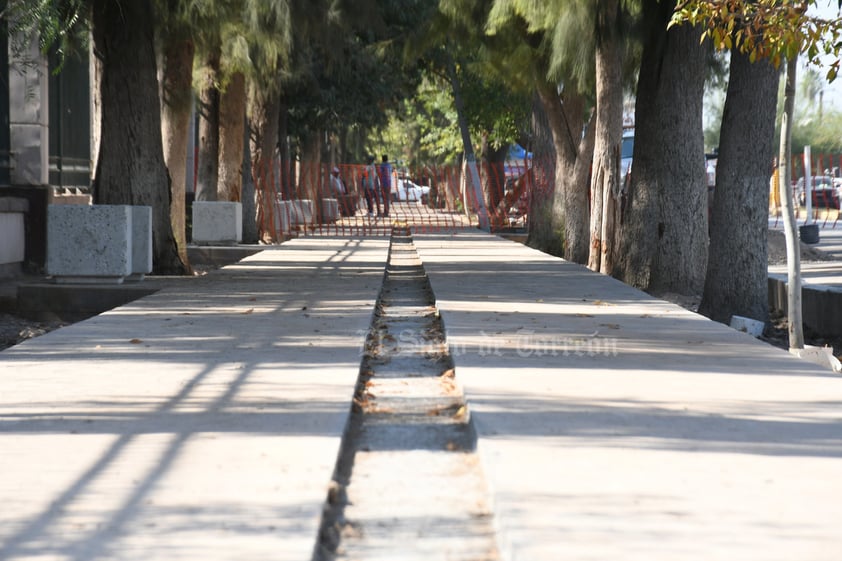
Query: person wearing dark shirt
x=385, y=172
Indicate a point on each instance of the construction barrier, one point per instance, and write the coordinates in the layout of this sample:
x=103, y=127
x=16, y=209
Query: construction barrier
x=300, y=201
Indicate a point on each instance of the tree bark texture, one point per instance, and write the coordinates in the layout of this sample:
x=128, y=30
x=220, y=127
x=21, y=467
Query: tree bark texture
x=737, y=275
x=565, y=219
x=263, y=114
x=664, y=219
x=310, y=181
x=131, y=168
x=495, y=178
x=250, y=230
x=176, y=104
x=540, y=226
x=232, y=123
x=207, y=175
x=795, y=326
x=606, y=182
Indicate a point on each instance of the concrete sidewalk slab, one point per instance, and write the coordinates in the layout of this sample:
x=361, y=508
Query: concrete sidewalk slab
x=200, y=423
x=612, y=425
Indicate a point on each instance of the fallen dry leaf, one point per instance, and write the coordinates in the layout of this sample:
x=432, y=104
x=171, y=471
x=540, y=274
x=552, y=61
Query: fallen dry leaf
x=136, y=341
x=250, y=310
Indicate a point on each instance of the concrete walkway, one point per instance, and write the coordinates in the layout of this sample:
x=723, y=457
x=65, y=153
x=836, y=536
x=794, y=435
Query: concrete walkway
x=615, y=426
x=203, y=423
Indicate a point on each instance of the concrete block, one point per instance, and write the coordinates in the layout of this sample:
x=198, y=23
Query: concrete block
x=823, y=356
x=90, y=244
x=301, y=211
x=282, y=217
x=330, y=210
x=141, y=242
x=821, y=306
x=28, y=83
x=14, y=204
x=12, y=237
x=30, y=156
x=748, y=325
x=217, y=222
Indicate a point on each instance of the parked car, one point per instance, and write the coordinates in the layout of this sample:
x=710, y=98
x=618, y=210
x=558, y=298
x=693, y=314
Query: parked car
x=404, y=190
x=827, y=192
x=626, y=152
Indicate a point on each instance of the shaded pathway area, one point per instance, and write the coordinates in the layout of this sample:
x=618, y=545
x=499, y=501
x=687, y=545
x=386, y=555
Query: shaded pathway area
x=202, y=422
x=612, y=425
x=480, y=401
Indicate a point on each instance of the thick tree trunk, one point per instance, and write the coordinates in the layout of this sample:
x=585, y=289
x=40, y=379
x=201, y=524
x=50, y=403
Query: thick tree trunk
x=664, y=238
x=737, y=275
x=176, y=101
x=311, y=158
x=540, y=225
x=263, y=114
x=565, y=219
x=131, y=169
x=208, y=112
x=606, y=181
x=232, y=124
x=495, y=178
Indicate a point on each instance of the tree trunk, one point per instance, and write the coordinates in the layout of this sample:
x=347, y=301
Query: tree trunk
x=131, y=168
x=263, y=116
x=495, y=180
x=664, y=237
x=606, y=181
x=250, y=231
x=287, y=163
x=565, y=213
x=737, y=275
x=232, y=123
x=311, y=157
x=795, y=327
x=470, y=157
x=95, y=67
x=540, y=224
x=208, y=112
x=176, y=101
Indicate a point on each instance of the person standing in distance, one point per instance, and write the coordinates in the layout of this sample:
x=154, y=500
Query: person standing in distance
x=386, y=183
x=371, y=186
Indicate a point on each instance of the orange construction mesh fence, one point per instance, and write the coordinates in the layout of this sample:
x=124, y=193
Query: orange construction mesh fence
x=825, y=188
x=303, y=201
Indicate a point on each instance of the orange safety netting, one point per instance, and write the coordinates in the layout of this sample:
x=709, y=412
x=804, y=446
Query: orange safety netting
x=302, y=202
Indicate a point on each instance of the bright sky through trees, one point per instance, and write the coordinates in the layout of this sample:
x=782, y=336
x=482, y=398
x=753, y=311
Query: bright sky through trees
x=829, y=9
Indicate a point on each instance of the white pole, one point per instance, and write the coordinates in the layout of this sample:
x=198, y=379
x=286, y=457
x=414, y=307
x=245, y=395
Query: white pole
x=808, y=184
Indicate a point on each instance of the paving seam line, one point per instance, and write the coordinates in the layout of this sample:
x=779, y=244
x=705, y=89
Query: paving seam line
x=408, y=481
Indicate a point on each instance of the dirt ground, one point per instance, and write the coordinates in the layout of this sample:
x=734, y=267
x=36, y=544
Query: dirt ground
x=777, y=250
x=14, y=329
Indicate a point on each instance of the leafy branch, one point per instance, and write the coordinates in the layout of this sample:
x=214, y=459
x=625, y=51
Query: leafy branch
x=766, y=29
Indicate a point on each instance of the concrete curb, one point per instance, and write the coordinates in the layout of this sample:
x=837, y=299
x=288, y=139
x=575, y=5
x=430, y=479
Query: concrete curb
x=821, y=305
